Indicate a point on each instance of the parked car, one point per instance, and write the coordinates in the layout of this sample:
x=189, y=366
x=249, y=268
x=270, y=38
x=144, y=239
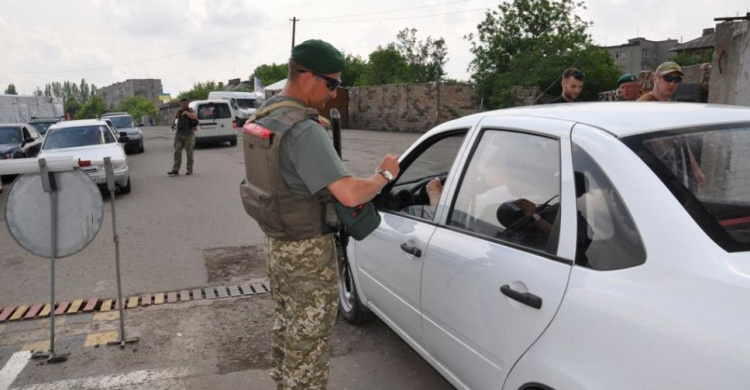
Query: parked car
x=216, y=121
x=580, y=246
x=243, y=104
x=19, y=140
x=43, y=123
x=124, y=123
x=89, y=139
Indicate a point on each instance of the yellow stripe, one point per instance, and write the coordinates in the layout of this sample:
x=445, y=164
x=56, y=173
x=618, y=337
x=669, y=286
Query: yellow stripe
x=19, y=313
x=42, y=346
x=158, y=298
x=95, y=339
x=107, y=316
x=75, y=306
x=106, y=305
x=45, y=311
x=132, y=302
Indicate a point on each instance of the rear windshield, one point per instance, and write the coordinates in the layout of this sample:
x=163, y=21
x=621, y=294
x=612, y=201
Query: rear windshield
x=42, y=127
x=72, y=137
x=708, y=171
x=247, y=103
x=10, y=135
x=211, y=111
x=123, y=121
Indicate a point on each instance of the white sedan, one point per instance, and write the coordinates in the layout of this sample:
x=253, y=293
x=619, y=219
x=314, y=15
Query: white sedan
x=575, y=246
x=89, y=140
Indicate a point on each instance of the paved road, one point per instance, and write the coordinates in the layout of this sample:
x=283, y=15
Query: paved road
x=178, y=233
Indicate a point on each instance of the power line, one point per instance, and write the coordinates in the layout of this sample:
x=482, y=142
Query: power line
x=388, y=12
x=148, y=59
x=400, y=18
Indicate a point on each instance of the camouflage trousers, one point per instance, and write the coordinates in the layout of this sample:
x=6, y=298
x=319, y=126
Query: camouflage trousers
x=188, y=143
x=304, y=286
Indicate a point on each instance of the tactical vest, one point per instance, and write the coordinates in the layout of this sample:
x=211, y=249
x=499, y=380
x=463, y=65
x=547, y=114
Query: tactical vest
x=281, y=214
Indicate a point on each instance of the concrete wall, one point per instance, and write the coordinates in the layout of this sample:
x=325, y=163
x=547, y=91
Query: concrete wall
x=409, y=107
x=730, y=70
x=166, y=114
x=145, y=88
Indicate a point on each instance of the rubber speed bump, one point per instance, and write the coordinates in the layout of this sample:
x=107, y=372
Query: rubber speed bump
x=46, y=310
x=5, y=314
x=132, y=302
x=197, y=294
x=90, y=305
x=19, y=313
x=33, y=311
x=61, y=308
x=146, y=300
x=106, y=306
x=75, y=306
x=158, y=299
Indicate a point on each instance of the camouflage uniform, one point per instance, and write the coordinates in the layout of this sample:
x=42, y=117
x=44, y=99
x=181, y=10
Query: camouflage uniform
x=188, y=143
x=304, y=286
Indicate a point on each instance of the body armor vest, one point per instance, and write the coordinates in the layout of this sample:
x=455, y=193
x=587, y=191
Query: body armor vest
x=281, y=214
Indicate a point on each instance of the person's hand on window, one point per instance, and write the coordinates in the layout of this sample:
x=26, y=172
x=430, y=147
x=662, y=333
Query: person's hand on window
x=434, y=189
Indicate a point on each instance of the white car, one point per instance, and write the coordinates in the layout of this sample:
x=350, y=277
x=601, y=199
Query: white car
x=89, y=139
x=216, y=121
x=576, y=246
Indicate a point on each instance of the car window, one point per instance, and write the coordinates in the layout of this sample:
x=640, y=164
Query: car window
x=26, y=134
x=510, y=190
x=212, y=111
x=42, y=127
x=72, y=137
x=32, y=132
x=247, y=103
x=408, y=194
x=10, y=135
x=607, y=238
x=708, y=171
x=123, y=121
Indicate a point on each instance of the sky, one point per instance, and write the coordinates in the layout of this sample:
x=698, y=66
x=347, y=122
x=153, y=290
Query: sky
x=183, y=42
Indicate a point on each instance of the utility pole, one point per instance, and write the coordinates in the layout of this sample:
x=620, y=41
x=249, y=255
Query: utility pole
x=294, y=28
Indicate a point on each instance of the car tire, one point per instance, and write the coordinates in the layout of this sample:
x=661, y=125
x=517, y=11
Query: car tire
x=141, y=149
x=233, y=142
x=126, y=189
x=350, y=306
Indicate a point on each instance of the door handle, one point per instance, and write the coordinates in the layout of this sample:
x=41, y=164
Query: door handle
x=412, y=250
x=528, y=299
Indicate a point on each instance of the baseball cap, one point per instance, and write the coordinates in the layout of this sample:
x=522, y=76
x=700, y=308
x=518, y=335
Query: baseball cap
x=318, y=56
x=667, y=68
x=626, y=78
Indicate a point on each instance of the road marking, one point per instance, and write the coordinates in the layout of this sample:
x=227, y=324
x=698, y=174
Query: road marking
x=95, y=339
x=12, y=368
x=107, y=316
x=42, y=345
x=127, y=380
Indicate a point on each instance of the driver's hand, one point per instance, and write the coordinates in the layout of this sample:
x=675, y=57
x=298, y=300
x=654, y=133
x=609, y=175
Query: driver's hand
x=529, y=207
x=434, y=189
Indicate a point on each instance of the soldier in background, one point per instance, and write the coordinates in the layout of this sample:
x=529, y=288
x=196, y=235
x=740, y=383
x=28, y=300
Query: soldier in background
x=184, y=138
x=572, y=85
x=667, y=77
x=630, y=89
x=293, y=174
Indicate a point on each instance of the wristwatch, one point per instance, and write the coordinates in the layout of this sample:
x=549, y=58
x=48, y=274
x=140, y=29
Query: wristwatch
x=386, y=174
x=536, y=217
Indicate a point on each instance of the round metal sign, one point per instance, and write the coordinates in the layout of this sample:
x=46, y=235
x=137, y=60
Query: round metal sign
x=80, y=209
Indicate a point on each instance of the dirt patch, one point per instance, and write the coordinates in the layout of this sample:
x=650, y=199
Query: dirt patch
x=234, y=264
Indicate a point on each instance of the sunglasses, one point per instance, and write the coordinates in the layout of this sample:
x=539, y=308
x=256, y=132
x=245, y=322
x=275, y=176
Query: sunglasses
x=669, y=78
x=331, y=83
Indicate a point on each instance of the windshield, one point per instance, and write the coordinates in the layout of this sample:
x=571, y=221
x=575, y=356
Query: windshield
x=42, y=127
x=708, y=171
x=247, y=103
x=122, y=121
x=10, y=135
x=77, y=136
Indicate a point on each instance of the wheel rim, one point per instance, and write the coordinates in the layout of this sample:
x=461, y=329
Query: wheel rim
x=346, y=288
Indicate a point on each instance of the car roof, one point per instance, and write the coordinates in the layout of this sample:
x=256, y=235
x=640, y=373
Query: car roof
x=623, y=119
x=13, y=124
x=78, y=123
x=196, y=102
x=115, y=114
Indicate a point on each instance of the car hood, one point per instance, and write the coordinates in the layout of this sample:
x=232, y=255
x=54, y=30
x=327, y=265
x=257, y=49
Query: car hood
x=9, y=148
x=94, y=152
x=128, y=130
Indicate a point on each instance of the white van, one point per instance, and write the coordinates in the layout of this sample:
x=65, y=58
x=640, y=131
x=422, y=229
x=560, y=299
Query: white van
x=216, y=121
x=244, y=104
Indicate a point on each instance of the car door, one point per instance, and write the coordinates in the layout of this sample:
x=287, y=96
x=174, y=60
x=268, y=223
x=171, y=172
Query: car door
x=497, y=265
x=389, y=261
x=31, y=149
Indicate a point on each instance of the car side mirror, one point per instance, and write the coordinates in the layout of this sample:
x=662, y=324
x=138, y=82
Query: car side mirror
x=28, y=140
x=123, y=138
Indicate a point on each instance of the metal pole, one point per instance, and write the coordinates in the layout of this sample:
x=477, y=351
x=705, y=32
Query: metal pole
x=336, y=123
x=294, y=29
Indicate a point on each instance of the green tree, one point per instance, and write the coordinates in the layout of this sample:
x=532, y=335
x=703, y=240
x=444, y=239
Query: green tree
x=354, y=71
x=199, y=92
x=269, y=74
x=138, y=106
x=386, y=66
x=685, y=59
x=530, y=43
x=11, y=90
x=94, y=108
x=71, y=107
x=38, y=92
x=426, y=60
x=67, y=90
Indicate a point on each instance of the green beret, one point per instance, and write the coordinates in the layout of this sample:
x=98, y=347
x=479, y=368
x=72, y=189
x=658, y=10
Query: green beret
x=318, y=56
x=626, y=78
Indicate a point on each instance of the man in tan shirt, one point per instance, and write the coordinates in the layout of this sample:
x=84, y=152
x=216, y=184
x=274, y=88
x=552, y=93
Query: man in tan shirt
x=667, y=77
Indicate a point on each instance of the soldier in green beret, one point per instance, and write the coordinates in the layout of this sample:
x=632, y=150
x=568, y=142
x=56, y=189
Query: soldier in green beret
x=630, y=89
x=293, y=176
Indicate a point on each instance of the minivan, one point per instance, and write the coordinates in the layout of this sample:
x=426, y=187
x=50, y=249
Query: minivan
x=216, y=121
x=244, y=104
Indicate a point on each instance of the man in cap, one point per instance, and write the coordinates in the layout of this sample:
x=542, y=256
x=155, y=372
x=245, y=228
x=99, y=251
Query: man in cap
x=293, y=175
x=629, y=87
x=184, y=138
x=572, y=85
x=667, y=77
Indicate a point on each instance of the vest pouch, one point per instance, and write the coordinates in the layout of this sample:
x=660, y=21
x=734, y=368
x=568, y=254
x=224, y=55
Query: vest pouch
x=261, y=205
x=359, y=221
